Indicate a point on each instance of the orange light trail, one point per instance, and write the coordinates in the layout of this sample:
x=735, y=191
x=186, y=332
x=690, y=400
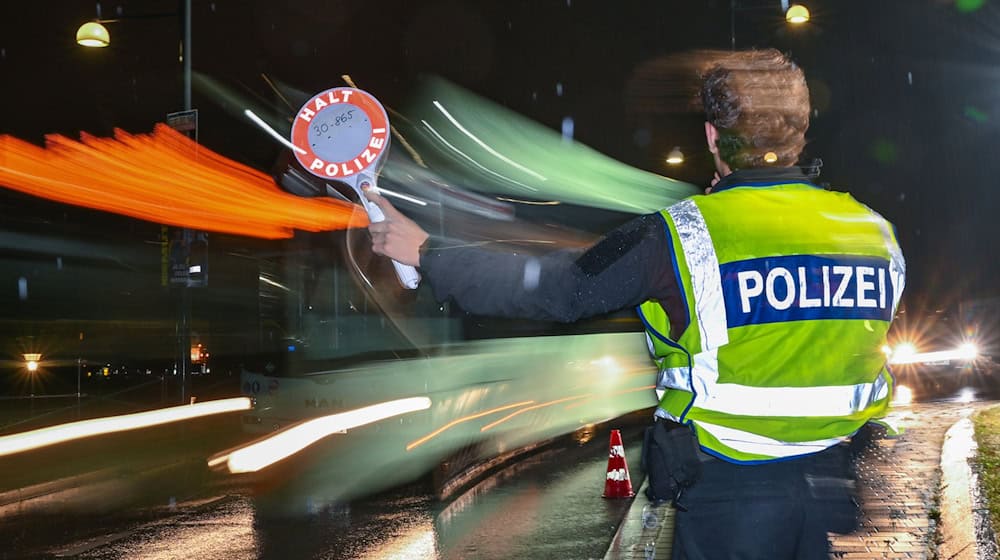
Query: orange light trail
x=167, y=178
x=542, y=405
x=457, y=421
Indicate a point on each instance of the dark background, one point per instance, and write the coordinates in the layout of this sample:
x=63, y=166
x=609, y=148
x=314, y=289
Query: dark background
x=905, y=93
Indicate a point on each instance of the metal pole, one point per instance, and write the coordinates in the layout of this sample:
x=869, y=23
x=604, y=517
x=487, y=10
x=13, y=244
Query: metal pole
x=186, y=51
x=732, y=24
x=184, y=335
x=184, y=342
x=79, y=363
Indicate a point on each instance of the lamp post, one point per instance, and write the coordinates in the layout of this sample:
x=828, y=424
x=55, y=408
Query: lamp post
x=31, y=360
x=79, y=367
x=94, y=34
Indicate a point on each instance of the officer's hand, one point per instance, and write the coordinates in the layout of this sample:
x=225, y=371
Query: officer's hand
x=715, y=179
x=396, y=237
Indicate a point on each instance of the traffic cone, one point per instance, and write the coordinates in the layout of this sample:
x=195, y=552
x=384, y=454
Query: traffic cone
x=618, y=483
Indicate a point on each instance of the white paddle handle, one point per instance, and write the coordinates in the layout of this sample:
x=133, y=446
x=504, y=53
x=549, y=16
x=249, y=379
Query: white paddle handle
x=408, y=276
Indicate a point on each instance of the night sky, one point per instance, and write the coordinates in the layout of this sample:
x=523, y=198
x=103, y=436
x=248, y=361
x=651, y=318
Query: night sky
x=906, y=94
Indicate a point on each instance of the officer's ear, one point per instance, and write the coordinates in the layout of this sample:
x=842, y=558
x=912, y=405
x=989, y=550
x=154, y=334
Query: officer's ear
x=712, y=137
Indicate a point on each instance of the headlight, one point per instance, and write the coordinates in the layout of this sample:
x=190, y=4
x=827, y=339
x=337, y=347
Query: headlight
x=903, y=396
x=904, y=350
x=968, y=351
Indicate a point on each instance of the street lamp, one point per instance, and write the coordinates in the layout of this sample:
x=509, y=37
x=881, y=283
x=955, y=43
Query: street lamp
x=31, y=360
x=94, y=34
x=795, y=14
x=676, y=156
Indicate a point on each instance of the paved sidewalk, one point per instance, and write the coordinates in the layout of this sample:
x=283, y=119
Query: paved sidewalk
x=898, y=481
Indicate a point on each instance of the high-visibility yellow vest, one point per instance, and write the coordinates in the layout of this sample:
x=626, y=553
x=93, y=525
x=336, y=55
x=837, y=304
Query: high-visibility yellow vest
x=790, y=290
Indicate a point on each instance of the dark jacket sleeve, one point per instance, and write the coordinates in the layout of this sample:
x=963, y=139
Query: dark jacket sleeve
x=627, y=267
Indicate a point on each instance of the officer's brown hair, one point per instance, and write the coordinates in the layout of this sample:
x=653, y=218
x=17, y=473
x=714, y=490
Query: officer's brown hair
x=759, y=102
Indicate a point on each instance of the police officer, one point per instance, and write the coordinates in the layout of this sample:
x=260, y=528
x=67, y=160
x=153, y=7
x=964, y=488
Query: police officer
x=766, y=304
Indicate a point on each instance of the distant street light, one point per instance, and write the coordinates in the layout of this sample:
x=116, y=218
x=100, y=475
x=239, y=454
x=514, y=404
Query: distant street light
x=676, y=156
x=31, y=361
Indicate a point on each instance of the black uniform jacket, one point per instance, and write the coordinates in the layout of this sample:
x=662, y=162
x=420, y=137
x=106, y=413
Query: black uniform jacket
x=628, y=266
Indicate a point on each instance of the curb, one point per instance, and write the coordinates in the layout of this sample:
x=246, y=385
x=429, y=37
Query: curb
x=18, y=495
x=646, y=532
x=57, y=495
x=965, y=530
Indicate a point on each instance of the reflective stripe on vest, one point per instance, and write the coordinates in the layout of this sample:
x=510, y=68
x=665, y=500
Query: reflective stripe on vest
x=746, y=442
x=732, y=398
x=704, y=267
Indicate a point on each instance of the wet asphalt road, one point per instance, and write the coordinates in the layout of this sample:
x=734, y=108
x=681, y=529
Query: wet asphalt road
x=548, y=505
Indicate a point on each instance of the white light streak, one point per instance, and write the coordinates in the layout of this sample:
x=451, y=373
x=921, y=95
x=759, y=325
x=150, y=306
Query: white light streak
x=608, y=365
x=267, y=128
x=386, y=192
x=270, y=282
x=472, y=161
x=286, y=443
x=17, y=443
x=532, y=202
x=486, y=147
x=939, y=356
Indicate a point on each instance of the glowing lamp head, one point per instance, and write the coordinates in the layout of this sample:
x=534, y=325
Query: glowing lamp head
x=93, y=34
x=770, y=157
x=797, y=14
x=31, y=360
x=675, y=157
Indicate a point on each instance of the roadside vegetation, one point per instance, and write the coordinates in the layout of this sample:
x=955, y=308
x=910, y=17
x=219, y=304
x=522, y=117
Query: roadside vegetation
x=987, y=430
